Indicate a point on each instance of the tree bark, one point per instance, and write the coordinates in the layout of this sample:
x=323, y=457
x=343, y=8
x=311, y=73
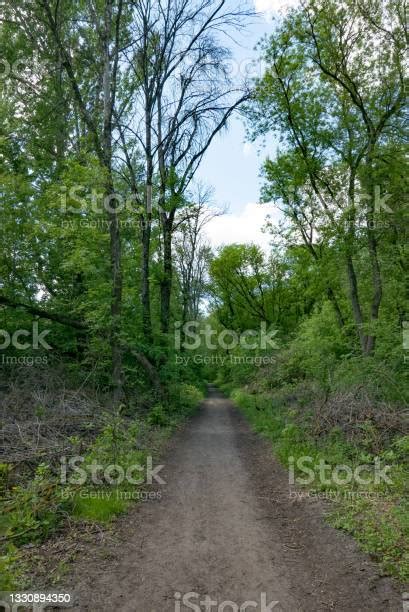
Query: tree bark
x=145, y=281
x=114, y=230
x=373, y=254
x=356, y=306
x=166, y=282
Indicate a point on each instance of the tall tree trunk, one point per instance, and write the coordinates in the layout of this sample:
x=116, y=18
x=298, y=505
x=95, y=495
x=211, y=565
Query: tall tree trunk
x=146, y=228
x=114, y=230
x=167, y=227
x=377, y=288
x=351, y=274
x=356, y=306
x=338, y=313
x=166, y=282
x=373, y=254
x=116, y=302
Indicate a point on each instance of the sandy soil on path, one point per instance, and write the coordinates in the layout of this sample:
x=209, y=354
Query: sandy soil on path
x=226, y=527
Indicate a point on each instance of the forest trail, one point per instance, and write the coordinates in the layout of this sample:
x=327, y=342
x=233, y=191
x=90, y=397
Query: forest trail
x=226, y=526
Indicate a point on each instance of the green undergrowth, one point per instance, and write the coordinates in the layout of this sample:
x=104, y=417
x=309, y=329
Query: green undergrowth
x=375, y=513
x=34, y=510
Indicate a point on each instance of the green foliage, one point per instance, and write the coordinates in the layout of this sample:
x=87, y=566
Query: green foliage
x=99, y=509
x=33, y=511
x=319, y=344
x=158, y=416
x=12, y=570
x=382, y=530
x=332, y=285
x=183, y=401
x=190, y=397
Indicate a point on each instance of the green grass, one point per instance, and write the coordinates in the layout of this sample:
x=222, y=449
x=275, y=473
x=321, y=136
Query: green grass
x=98, y=509
x=381, y=529
x=377, y=515
x=12, y=570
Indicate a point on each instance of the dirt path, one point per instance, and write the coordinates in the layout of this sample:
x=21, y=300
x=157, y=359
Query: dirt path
x=226, y=527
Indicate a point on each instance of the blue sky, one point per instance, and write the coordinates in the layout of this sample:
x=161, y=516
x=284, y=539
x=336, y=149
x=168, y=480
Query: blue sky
x=232, y=168
x=231, y=165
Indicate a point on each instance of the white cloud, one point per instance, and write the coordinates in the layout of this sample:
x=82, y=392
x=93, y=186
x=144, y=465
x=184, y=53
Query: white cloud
x=248, y=149
x=268, y=7
x=243, y=227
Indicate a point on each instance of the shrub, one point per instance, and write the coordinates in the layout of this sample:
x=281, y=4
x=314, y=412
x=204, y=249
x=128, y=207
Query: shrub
x=158, y=416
